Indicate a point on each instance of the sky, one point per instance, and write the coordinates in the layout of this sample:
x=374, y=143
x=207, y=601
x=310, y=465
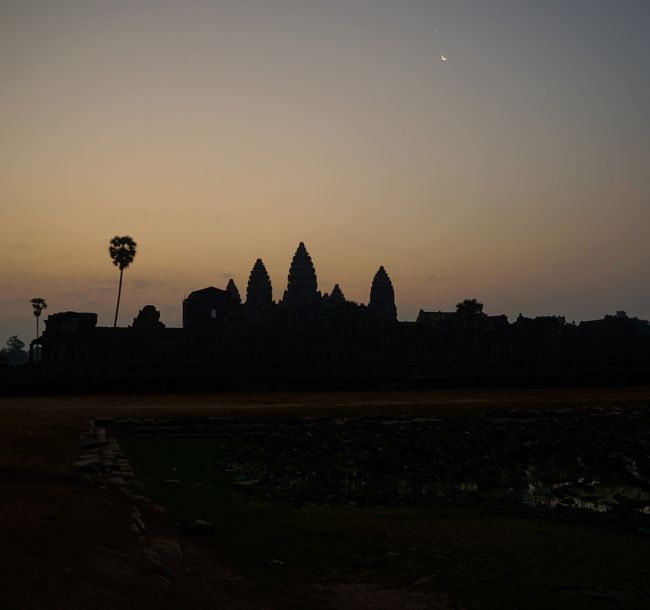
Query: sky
x=215, y=132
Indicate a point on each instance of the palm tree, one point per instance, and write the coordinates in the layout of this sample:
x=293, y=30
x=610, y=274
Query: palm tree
x=38, y=304
x=122, y=251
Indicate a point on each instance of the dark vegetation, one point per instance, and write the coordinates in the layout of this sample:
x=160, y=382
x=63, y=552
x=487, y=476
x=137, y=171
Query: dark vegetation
x=590, y=457
x=122, y=250
x=38, y=306
x=13, y=354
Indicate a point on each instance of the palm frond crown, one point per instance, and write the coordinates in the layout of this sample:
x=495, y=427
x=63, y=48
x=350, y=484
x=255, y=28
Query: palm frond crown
x=122, y=250
x=38, y=304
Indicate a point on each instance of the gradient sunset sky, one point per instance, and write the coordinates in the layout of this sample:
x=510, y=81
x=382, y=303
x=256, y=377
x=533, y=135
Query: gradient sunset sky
x=216, y=132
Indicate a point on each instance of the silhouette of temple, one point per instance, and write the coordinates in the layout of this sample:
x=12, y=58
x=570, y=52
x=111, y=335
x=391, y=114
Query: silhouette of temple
x=259, y=292
x=147, y=320
x=233, y=291
x=382, y=296
x=307, y=335
x=336, y=297
x=302, y=285
x=206, y=309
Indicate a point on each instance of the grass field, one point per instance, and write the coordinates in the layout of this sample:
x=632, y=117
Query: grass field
x=67, y=543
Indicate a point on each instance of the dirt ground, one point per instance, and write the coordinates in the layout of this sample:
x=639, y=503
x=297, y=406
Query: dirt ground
x=66, y=543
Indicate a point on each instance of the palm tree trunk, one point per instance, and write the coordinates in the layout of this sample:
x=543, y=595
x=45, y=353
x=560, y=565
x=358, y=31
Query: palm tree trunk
x=119, y=293
x=37, y=327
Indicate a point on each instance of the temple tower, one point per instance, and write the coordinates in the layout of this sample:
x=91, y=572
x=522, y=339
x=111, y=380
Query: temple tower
x=337, y=297
x=233, y=291
x=302, y=284
x=382, y=296
x=148, y=319
x=259, y=293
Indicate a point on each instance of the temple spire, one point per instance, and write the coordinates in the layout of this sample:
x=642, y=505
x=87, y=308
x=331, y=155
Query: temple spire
x=301, y=284
x=337, y=296
x=233, y=291
x=382, y=296
x=259, y=293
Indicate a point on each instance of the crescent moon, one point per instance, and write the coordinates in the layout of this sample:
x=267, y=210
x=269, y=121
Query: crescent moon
x=444, y=57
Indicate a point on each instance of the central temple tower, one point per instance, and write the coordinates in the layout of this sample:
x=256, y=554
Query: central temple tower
x=302, y=284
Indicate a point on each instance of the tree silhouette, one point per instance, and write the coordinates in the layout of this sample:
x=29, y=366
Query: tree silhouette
x=14, y=344
x=122, y=252
x=470, y=315
x=469, y=309
x=38, y=304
